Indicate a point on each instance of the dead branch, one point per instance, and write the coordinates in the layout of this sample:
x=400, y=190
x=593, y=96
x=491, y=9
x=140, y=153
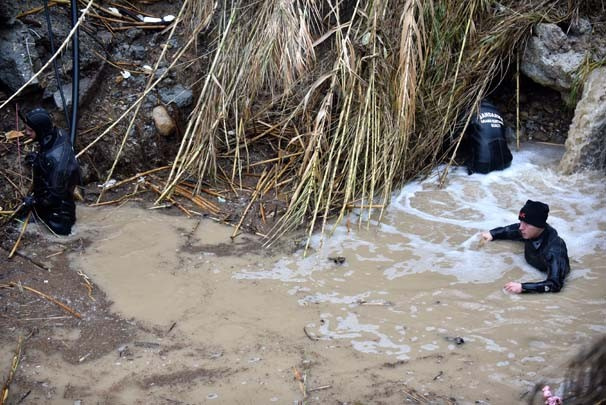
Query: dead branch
x=47, y=297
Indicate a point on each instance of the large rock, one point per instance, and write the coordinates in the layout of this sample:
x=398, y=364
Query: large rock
x=86, y=88
x=163, y=121
x=586, y=143
x=550, y=58
x=17, y=57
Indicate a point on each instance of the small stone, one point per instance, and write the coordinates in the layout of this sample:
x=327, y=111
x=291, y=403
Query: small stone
x=163, y=121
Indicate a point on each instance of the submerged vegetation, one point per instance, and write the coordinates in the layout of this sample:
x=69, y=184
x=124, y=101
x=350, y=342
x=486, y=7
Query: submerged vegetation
x=350, y=98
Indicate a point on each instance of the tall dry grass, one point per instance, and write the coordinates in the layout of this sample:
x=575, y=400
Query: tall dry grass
x=351, y=98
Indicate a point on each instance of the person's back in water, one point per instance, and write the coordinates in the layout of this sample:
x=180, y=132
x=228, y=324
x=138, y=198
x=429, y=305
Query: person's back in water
x=55, y=174
x=487, y=141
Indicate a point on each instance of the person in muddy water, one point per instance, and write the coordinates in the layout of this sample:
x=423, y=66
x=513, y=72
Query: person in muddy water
x=485, y=141
x=543, y=248
x=56, y=173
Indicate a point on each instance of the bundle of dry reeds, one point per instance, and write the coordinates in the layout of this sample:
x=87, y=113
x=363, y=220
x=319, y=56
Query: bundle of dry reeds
x=351, y=98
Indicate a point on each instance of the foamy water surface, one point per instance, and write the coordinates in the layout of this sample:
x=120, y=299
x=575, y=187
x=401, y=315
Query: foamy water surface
x=413, y=283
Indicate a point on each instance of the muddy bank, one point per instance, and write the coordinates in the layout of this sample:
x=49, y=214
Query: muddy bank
x=181, y=328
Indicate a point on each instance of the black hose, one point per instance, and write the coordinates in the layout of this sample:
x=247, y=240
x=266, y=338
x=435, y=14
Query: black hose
x=57, y=76
x=75, y=73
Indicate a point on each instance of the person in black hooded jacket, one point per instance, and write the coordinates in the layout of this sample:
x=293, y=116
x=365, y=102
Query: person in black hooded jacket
x=543, y=248
x=56, y=173
x=486, y=141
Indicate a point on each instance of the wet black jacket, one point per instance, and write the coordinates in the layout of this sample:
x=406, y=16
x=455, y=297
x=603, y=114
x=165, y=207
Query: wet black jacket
x=487, y=141
x=547, y=253
x=56, y=174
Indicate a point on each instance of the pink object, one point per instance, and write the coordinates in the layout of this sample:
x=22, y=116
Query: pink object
x=549, y=398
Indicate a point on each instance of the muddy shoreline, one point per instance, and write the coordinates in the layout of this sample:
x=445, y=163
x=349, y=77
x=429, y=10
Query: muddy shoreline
x=55, y=339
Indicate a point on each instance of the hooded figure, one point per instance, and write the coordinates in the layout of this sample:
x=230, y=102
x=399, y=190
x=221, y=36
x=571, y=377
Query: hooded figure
x=487, y=141
x=56, y=173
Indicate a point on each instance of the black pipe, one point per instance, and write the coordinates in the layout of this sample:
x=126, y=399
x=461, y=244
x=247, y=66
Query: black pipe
x=75, y=73
x=51, y=38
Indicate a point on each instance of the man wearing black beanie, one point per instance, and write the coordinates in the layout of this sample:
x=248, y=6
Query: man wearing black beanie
x=543, y=248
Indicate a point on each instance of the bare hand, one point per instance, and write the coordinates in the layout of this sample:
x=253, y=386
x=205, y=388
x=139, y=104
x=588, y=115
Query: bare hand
x=487, y=236
x=513, y=287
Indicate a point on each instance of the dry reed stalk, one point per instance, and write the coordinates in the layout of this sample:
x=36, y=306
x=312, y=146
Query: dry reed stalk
x=41, y=294
x=158, y=191
x=36, y=10
x=349, y=124
x=262, y=180
x=11, y=372
x=23, y=228
x=197, y=200
x=137, y=176
x=120, y=200
x=518, y=101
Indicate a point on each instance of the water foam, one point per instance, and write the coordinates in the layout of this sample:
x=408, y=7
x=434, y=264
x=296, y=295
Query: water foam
x=428, y=230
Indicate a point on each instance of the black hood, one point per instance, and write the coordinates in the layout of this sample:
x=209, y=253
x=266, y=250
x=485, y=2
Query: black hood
x=40, y=121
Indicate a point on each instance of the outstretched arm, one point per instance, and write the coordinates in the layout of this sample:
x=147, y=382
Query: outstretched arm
x=509, y=232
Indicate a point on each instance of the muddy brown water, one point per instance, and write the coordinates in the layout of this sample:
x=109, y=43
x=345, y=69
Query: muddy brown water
x=417, y=303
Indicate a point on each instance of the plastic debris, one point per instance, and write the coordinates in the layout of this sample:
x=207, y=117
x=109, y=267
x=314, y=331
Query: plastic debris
x=549, y=398
x=107, y=184
x=114, y=11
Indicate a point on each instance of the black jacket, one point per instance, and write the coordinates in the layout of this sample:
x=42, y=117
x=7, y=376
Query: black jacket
x=487, y=141
x=547, y=253
x=56, y=174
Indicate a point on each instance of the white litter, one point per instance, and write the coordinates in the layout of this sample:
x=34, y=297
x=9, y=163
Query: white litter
x=107, y=184
x=152, y=20
x=114, y=11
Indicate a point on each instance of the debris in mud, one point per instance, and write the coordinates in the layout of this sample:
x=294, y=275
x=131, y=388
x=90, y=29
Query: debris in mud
x=337, y=259
x=380, y=303
x=395, y=364
x=456, y=340
x=147, y=345
x=311, y=336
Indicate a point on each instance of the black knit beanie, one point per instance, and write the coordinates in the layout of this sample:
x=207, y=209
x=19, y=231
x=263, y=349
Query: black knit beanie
x=534, y=213
x=40, y=121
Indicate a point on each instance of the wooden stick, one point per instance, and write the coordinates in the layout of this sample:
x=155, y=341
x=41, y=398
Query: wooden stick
x=13, y=184
x=172, y=200
x=47, y=297
x=12, y=371
x=136, y=176
x=36, y=10
x=10, y=255
x=320, y=388
x=119, y=200
x=518, y=101
x=254, y=196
